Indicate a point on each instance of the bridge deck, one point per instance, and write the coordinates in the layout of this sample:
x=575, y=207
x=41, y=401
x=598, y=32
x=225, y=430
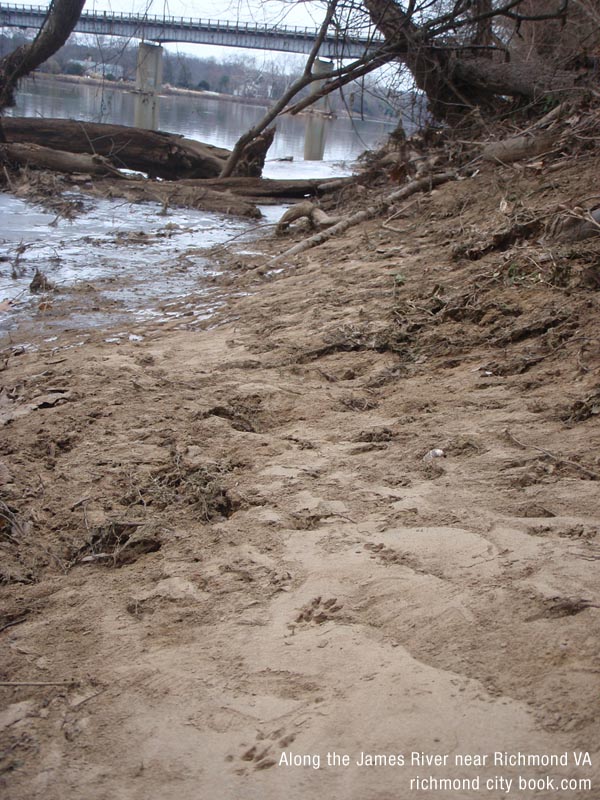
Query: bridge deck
x=284, y=38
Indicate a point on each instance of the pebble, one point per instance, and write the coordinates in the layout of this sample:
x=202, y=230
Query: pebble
x=435, y=453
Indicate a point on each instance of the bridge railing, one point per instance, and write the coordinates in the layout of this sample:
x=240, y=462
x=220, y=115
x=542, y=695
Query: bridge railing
x=189, y=22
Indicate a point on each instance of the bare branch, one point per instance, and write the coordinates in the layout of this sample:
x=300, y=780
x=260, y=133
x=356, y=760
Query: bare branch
x=342, y=78
x=59, y=22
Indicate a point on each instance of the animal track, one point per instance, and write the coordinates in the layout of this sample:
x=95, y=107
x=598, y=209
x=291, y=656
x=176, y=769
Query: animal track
x=387, y=556
x=584, y=532
x=557, y=607
x=260, y=755
x=319, y=610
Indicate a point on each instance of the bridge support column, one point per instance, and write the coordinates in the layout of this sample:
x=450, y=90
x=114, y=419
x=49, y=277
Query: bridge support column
x=316, y=124
x=148, y=80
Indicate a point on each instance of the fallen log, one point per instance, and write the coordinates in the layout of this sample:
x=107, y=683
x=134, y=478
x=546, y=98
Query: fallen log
x=223, y=195
x=159, y=154
x=177, y=194
x=33, y=155
x=270, y=187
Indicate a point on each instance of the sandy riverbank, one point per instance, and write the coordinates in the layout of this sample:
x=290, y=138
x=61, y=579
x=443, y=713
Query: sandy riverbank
x=226, y=534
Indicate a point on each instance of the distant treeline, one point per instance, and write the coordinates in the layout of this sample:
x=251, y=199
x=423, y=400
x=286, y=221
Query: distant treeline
x=115, y=60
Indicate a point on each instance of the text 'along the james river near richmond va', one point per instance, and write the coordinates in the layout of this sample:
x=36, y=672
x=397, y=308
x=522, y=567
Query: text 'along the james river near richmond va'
x=486, y=772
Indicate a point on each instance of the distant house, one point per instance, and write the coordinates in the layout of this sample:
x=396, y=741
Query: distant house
x=109, y=72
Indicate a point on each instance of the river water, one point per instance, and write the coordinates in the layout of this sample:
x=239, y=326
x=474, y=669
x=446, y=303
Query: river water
x=205, y=118
x=128, y=262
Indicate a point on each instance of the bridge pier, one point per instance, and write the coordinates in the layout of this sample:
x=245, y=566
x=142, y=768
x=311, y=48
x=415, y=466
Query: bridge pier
x=316, y=124
x=148, y=80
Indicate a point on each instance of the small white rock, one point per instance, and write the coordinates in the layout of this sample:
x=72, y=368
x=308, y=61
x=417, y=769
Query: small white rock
x=435, y=453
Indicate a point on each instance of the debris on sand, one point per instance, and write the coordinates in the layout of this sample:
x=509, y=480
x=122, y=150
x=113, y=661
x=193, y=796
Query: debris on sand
x=40, y=283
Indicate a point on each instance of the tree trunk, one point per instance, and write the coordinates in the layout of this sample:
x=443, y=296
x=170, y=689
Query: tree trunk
x=160, y=155
x=60, y=21
x=431, y=67
x=532, y=80
x=32, y=155
x=252, y=158
x=454, y=80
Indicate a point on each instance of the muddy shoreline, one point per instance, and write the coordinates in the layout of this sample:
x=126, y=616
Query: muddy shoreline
x=227, y=541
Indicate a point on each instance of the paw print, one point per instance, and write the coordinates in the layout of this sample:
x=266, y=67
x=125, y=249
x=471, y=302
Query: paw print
x=319, y=610
x=259, y=757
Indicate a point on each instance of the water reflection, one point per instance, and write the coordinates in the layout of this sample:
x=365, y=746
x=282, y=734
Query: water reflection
x=315, y=138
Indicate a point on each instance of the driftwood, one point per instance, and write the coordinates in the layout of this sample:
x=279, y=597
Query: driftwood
x=159, y=154
x=177, y=194
x=224, y=195
x=268, y=187
x=518, y=147
x=33, y=155
x=381, y=205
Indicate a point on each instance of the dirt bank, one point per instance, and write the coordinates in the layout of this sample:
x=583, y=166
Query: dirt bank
x=222, y=543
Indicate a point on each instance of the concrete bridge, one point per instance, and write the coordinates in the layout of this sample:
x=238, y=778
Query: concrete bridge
x=283, y=38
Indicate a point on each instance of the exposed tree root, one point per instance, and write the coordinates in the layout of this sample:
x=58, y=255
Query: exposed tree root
x=317, y=218
x=381, y=205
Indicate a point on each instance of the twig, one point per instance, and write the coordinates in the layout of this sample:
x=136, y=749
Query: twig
x=80, y=502
x=87, y=699
x=386, y=225
x=85, y=133
x=8, y=180
x=17, y=621
x=225, y=244
x=559, y=459
x=39, y=683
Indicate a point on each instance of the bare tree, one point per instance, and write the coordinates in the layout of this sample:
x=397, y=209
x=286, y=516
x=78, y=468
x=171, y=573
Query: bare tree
x=344, y=74
x=466, y=54
x=463, y=54
x=60, y=20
